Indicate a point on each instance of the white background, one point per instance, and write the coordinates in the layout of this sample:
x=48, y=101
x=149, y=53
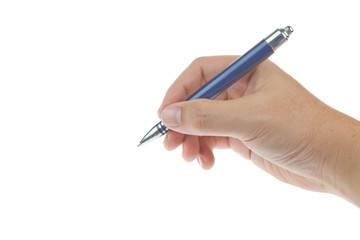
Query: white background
x=81, y=82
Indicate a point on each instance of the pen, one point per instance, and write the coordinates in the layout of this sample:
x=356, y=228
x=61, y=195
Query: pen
x=236, y=70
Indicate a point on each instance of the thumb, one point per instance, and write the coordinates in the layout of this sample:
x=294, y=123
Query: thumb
x=208, y=117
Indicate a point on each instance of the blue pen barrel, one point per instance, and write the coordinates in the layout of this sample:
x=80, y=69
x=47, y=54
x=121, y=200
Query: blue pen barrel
x=236, y=70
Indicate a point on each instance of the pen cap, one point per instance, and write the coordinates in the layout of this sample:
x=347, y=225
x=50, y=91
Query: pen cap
x=278, y=37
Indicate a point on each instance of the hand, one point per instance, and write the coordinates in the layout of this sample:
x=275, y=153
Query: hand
x=267, y=117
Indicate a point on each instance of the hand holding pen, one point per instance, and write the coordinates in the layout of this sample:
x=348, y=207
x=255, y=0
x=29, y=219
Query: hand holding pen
x=269, y=118
x=232, y=73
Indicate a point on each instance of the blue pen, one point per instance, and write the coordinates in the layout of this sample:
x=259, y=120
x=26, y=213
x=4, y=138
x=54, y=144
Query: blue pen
x=236, y=70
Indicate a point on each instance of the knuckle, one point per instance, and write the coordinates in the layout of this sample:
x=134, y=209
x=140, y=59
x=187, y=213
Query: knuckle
x=199, y=60
x=199, y=120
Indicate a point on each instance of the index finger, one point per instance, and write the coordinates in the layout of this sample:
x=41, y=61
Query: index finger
x=200, y=71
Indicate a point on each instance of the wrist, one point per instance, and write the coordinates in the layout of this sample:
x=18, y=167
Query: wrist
x=341, y=168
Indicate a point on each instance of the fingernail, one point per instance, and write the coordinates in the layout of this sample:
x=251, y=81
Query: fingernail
x=171, y=116
x=199, y=160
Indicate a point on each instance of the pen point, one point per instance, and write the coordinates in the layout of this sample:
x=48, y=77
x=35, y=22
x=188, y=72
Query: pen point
x=157, y=131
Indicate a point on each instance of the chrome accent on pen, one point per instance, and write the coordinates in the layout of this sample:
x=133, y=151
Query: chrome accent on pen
x=278, y=37
x=157, y=131
x=231, y=74
x=161, y=128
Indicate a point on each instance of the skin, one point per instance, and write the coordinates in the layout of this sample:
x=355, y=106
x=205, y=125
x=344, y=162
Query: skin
x=269, y=118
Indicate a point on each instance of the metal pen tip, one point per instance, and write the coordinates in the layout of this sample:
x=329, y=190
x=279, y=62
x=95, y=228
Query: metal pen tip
x=142, y=142
x=157, y=131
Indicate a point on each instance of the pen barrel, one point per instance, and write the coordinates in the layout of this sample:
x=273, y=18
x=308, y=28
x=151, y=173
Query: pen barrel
x=236, y=70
